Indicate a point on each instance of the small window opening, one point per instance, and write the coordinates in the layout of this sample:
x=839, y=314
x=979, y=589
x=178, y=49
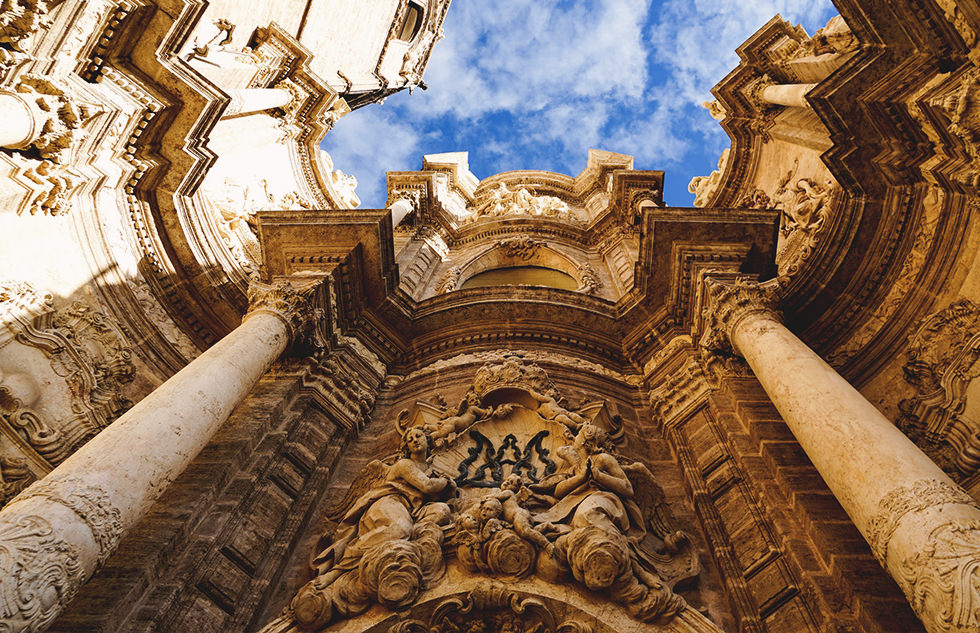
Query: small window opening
x=521, y=276
x=412, y=24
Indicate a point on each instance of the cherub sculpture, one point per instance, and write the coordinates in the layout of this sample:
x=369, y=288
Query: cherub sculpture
x=600, y=529
x=469, y=413
x=549, y=409
x=387, y=546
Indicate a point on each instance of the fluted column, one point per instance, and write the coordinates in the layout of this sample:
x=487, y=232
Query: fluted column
x=55, y=534
x=921, y=526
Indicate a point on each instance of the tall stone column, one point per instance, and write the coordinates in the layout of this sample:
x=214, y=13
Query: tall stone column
x=19, y=120
x=921, y=526
x=56, y=533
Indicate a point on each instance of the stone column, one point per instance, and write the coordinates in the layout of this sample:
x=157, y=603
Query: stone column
x=921, y=526
x=790, y=95
x=56, y=533
x=250, y=100
x=18, y=121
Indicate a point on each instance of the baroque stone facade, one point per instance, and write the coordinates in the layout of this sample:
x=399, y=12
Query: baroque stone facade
x=232, y=400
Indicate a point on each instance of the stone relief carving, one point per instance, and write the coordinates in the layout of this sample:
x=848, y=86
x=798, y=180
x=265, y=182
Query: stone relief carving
x=522, y=247
x=944, y=577
x=961, y=107
x=538, y=490
x=943, y=361
x=450, y=281
x=901, y=501
x=293, y=305
x=835, y=37
x=89, y=352
x=414, y=60
x=19, y=19
x=727, y=303
x=18, y=414
x=90, y=503
x=38, y=574
x=505, y=201
x=805, y=206
x=14, y=477
x=589, y=281
x=704, y=187
x=490, y=608
x=61, y=118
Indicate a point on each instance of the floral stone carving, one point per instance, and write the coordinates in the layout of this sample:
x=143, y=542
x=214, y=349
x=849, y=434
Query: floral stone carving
x=512, y=485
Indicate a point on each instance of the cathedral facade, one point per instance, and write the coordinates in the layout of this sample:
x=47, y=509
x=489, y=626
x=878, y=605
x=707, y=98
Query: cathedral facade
x=233, y=400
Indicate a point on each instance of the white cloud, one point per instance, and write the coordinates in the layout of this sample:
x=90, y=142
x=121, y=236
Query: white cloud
x=369, y=142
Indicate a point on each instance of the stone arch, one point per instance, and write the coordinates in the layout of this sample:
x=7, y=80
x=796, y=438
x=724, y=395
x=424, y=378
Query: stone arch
x=520, y=252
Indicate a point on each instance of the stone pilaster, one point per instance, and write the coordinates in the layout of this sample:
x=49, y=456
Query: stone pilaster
x=55, y=534
x=923, y=528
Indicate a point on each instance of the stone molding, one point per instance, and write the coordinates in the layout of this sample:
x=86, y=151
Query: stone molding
x=90, y=503
x=894, y=507
x=726, y=304
x=39, y=574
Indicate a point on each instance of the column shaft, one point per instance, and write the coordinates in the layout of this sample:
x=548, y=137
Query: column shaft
x=791, y=95
x=56, y=533
x=17, y=121
x=922, y=527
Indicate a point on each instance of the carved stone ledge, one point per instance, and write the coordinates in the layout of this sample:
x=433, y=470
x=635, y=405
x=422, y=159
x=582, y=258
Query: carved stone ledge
x=728, y=303
x=295, y=305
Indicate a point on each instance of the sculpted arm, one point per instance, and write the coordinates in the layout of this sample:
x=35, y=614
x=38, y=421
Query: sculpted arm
x=607, y=473
x=409, y=472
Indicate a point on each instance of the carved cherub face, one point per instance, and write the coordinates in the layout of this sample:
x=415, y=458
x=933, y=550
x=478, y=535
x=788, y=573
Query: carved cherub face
x=490, y=508
x=472, y=399
x=512, y=483
x=590, y=438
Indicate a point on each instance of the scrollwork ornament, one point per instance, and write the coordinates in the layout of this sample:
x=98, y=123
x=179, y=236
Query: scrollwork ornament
x=39, y=573
x=90, y=503
x=900, y=502
x=728, y=303
x=942, y=580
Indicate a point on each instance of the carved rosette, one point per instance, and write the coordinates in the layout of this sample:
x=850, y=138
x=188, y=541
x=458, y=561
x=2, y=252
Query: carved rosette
x=726, y=304
x=90, y=503
x=293, y=305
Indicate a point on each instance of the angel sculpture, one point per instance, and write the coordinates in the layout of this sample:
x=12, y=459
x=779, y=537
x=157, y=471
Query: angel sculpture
x=601, y=533
x=387, y=546
x=469, y=412
x=549, y=409
x=497, y=534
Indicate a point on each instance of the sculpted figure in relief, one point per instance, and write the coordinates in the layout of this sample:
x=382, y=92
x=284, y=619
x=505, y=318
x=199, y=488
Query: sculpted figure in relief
x=388, y=545
x=447, y=428
x=601, y=530
x=549, y=409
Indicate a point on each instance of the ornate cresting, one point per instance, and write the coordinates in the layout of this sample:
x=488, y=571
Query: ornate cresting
x=922, y=527
x=514, y=485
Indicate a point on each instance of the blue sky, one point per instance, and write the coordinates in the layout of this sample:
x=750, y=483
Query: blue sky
x=534, y=84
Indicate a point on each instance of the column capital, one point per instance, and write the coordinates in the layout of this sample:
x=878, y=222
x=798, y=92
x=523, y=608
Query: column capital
x=296, y=303
x=727, y=303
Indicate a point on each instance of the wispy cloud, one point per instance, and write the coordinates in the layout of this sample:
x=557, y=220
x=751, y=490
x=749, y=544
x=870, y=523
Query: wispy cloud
x=525, y=84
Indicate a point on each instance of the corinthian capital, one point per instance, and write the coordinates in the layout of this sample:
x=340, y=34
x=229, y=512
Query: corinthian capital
x=728, y=303
x=295, y=303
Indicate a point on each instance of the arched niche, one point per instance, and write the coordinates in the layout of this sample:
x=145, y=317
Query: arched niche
x=517, y=606
x=521, y=261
